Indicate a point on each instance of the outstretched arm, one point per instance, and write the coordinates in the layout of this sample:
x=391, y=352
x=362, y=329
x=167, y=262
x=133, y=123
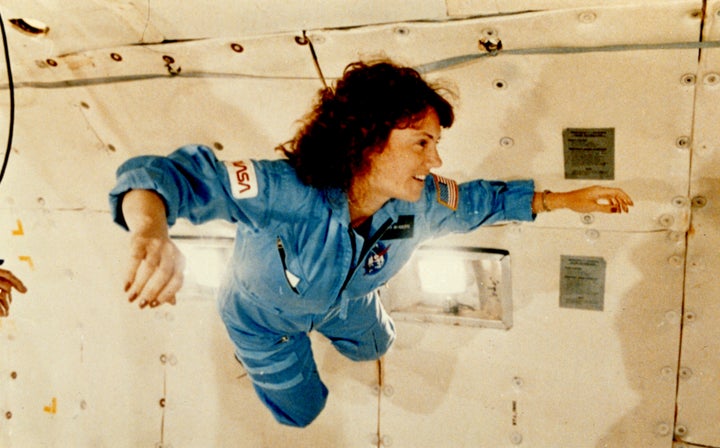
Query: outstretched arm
x=156, y=266
x=584, y=200
x=7, y=282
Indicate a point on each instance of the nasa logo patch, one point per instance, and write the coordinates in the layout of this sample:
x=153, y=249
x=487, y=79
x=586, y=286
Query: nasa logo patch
x=243, y=180
x=376, y=259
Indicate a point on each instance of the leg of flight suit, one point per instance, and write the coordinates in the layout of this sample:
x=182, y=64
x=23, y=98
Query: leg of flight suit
x=365, y=333
x=282, y=369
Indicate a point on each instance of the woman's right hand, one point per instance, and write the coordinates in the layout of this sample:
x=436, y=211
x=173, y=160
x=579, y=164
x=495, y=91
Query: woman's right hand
x=155, y=274
x=156, y=269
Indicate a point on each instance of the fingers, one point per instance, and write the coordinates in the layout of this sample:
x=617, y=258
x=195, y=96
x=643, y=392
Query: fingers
x=155, y=274
x=615, y=201
x=7, y=282
x=7, y=278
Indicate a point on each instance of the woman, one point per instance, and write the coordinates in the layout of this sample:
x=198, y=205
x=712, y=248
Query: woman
x=320, y=231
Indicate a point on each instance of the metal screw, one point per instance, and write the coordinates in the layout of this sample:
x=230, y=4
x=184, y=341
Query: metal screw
x=681, y=430
x=592, y=235
x=507, y=142
x=402, y=31
x=500, y=84
x=666, y=220
x=711, y=79
x=680, y=201
x=676, y=261
x=685, y=373
x=51, y=62
x=163, y=358
x=489, y=32
x=690, y=316
x=588, y=218
x=688, y=79
x=115, y=57
x=682, y=142
x=699, y=202
x=663, y=429
x=237, y=48
x=587, y=17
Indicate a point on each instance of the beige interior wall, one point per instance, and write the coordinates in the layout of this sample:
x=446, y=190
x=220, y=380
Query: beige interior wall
x=81, y=367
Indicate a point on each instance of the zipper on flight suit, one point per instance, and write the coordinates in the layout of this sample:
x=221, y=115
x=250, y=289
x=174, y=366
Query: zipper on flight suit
x=281, y=251
x=364, y=251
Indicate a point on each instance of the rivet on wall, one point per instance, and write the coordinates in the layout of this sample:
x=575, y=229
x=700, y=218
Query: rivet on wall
x=401, y=31
x=51, y=62
x=500, y=84
x=507, y=142
x=699, y=202
x=516, y=438
x=683, y=142
x=688, y=79
x=676, y=261
x=116, y=57
x=592, y=235
x=680, y=201
x=685, y=373
x=666, y=220
x=662, y=429
x=587, y=219
x=587, y=17
x=681, y=430
x=711, y=79
x=236, y=47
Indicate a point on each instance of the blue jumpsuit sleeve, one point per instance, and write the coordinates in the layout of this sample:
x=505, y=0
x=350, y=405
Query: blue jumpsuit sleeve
x=191, y=181
x=480, y=202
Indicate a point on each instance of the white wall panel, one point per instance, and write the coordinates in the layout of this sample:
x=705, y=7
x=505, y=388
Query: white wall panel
x=470, y=7
x=78, y=25
x=575, y=378
x=699, y=391
x=558, y=377
x=540, y=95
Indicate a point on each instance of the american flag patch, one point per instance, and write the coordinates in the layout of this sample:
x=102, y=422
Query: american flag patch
x=447, y=191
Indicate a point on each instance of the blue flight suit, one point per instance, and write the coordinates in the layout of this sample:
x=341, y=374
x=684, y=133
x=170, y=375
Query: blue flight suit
x=299, y=266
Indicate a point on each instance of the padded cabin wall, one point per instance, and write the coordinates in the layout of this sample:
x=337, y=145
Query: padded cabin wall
x=698, y=393
x=79, y=366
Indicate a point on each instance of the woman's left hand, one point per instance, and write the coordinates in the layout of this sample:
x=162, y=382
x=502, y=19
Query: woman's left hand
x=592, y=199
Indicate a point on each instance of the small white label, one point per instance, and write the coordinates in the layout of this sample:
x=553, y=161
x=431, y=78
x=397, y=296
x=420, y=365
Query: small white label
x=243, y=180
x=292, y=278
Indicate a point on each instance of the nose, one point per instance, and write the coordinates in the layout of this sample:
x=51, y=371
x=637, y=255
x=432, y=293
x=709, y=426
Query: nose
x=432, y=158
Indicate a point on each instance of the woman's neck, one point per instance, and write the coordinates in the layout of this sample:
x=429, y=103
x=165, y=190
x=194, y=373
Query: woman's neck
x=362, y=205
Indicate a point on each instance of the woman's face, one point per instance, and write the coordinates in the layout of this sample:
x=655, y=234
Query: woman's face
x=399, y=170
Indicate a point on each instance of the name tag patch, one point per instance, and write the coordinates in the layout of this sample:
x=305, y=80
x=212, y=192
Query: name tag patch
x=402, y=229
x=243, y=180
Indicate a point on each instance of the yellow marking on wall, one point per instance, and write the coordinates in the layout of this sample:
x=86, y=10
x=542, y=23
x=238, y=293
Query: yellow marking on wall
x=52, y=409
x=27, y=259
x=19, y=231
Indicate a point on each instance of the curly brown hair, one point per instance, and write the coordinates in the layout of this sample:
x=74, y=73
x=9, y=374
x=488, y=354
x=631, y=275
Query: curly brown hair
x=356, y=117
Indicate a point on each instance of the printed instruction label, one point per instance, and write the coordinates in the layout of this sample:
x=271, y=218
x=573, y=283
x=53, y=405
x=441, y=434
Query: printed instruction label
x=589, y=153
x=582, y=282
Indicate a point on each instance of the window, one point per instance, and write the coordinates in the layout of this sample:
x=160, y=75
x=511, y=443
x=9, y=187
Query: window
x=453, y=285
